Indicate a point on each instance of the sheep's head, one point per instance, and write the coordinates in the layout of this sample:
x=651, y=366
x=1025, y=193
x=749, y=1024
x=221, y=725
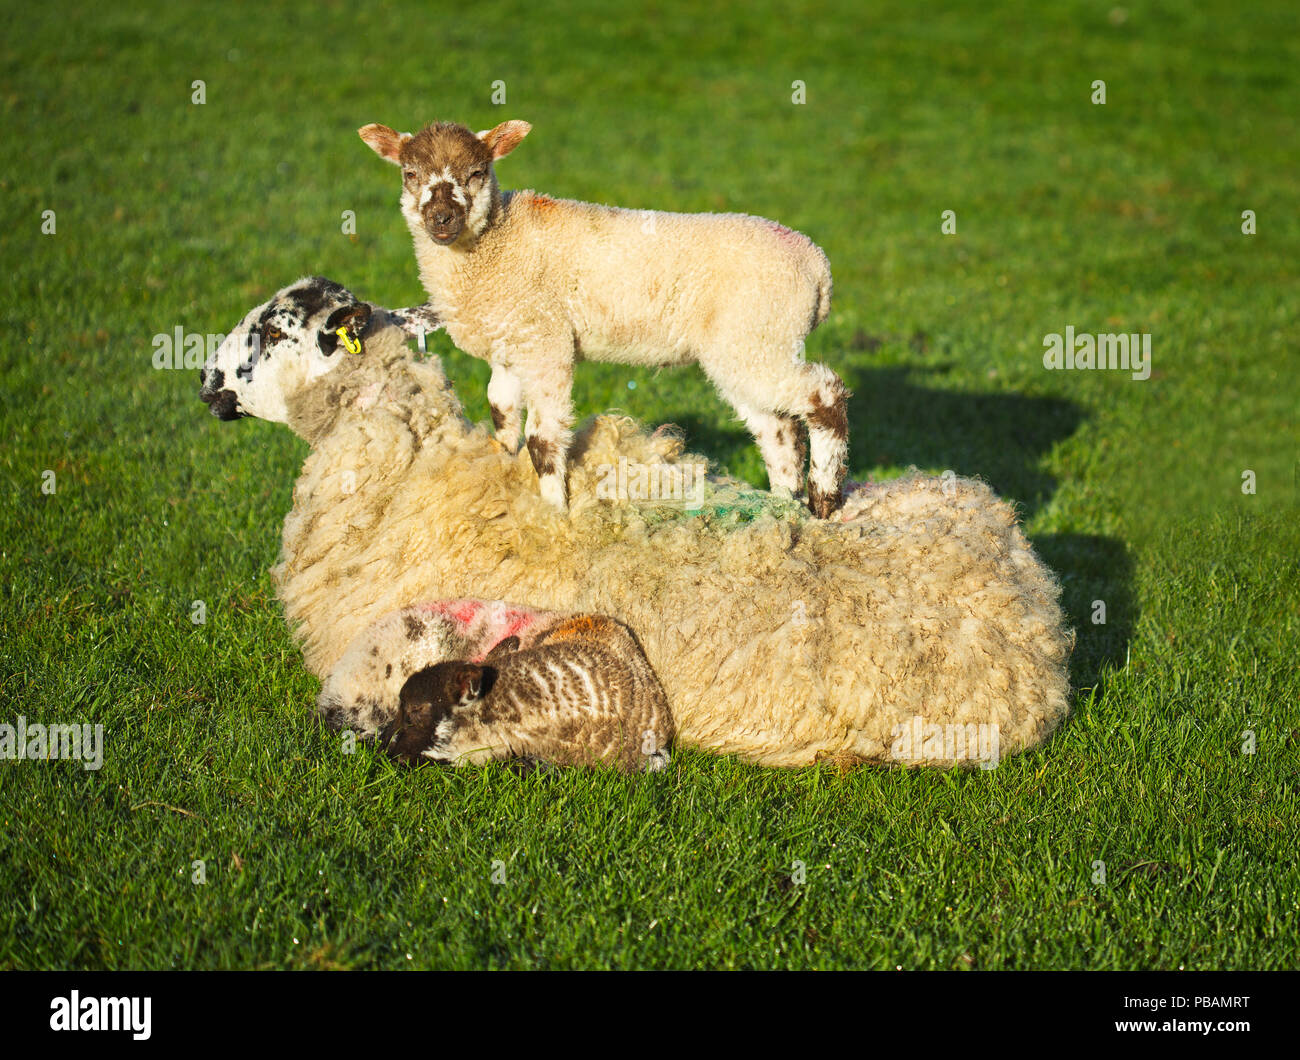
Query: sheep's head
x=449, y=188
x=283, y=344
x=303, y=333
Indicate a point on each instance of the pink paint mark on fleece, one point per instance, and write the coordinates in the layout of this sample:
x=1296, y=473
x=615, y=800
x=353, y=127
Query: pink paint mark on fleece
x=488, y=623
x=508, y=622
x=462, y=612
x=788, y=235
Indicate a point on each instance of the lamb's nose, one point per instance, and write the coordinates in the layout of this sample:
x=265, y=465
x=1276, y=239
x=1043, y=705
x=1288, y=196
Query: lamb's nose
x=442, y=217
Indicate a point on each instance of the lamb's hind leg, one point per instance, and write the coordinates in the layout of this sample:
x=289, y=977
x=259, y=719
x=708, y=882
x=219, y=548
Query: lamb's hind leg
x=814, y=394
x=780, y=442
x=827, y=417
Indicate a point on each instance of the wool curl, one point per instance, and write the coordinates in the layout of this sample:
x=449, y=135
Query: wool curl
x=778, y=637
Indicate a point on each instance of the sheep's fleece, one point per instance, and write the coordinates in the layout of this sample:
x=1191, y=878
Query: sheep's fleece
x=778, y=637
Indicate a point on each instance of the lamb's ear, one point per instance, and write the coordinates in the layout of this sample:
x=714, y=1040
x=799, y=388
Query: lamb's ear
x=505, y=137
x=468, y=684
x=503, y=647
x=347, y=324
x=384, y=141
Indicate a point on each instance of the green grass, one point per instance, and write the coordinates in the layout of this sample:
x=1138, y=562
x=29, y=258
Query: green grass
x=1122, y=217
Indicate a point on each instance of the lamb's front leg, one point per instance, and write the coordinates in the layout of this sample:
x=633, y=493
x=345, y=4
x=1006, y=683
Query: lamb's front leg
x=466, y=739
x=505, y=397
x=550, y=415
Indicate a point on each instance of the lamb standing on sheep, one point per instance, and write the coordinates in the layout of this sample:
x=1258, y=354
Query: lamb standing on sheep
x=532, y=284
x=777, y=637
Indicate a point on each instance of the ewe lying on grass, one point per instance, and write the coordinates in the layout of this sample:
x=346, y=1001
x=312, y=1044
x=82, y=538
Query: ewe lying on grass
x=919, y=613
x=532, y=284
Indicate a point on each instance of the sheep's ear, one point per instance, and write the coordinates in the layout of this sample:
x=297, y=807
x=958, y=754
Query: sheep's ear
x=505, y=137
x=384, y=141
x=416, y=320
x=347, y=325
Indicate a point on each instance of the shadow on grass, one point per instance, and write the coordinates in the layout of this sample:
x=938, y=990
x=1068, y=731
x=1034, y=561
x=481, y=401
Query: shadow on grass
x=1095, y=571
x=895, y=421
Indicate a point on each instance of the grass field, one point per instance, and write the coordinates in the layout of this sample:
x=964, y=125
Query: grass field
x=1123, y=216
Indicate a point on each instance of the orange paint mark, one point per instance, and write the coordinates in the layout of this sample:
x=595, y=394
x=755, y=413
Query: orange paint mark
x=579, y=626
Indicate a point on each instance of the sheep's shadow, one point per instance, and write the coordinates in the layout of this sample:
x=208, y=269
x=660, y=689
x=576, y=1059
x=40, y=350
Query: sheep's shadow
x=1096, y=575
x=1000, y=437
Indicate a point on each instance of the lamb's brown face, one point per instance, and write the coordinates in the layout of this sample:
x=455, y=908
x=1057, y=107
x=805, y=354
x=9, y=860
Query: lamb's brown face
x=448, y=185
x=447, y=178
x=427, y=701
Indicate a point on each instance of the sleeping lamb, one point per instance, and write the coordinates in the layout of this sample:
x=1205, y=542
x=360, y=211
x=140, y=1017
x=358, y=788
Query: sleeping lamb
x=891, y=633
x=467, y=681
x=532, y=285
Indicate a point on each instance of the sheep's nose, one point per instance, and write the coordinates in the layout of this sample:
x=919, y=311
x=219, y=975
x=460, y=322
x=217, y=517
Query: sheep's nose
x=443, y=217
x=203, y=376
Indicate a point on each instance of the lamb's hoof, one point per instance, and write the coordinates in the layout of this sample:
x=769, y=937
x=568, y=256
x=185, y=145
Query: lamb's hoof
x=824, y=504
x=554, y=495
x=657, y=761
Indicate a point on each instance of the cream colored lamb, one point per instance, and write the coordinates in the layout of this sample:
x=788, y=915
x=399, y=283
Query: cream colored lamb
x=918, y=618
x=532, y=284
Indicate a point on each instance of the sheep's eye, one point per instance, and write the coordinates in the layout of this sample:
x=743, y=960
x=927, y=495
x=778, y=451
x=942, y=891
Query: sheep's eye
x=408, y=174
x=478, y=174
x=272, y=334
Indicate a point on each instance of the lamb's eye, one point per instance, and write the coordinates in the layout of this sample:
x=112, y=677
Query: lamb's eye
x=408, y=174
x=478, y=174
x=272, y=334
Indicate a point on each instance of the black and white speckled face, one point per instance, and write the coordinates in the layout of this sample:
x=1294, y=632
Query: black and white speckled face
x=297, y=336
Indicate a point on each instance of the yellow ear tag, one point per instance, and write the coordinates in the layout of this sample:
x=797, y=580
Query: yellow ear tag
x=353, y=345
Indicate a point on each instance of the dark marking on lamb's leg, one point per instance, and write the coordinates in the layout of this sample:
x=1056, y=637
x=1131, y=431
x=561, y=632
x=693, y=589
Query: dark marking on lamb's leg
x=800, y=451
x=548, y=461
x=543, y=454
x=828, y=436
x=550, y=414
x=505, y=399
